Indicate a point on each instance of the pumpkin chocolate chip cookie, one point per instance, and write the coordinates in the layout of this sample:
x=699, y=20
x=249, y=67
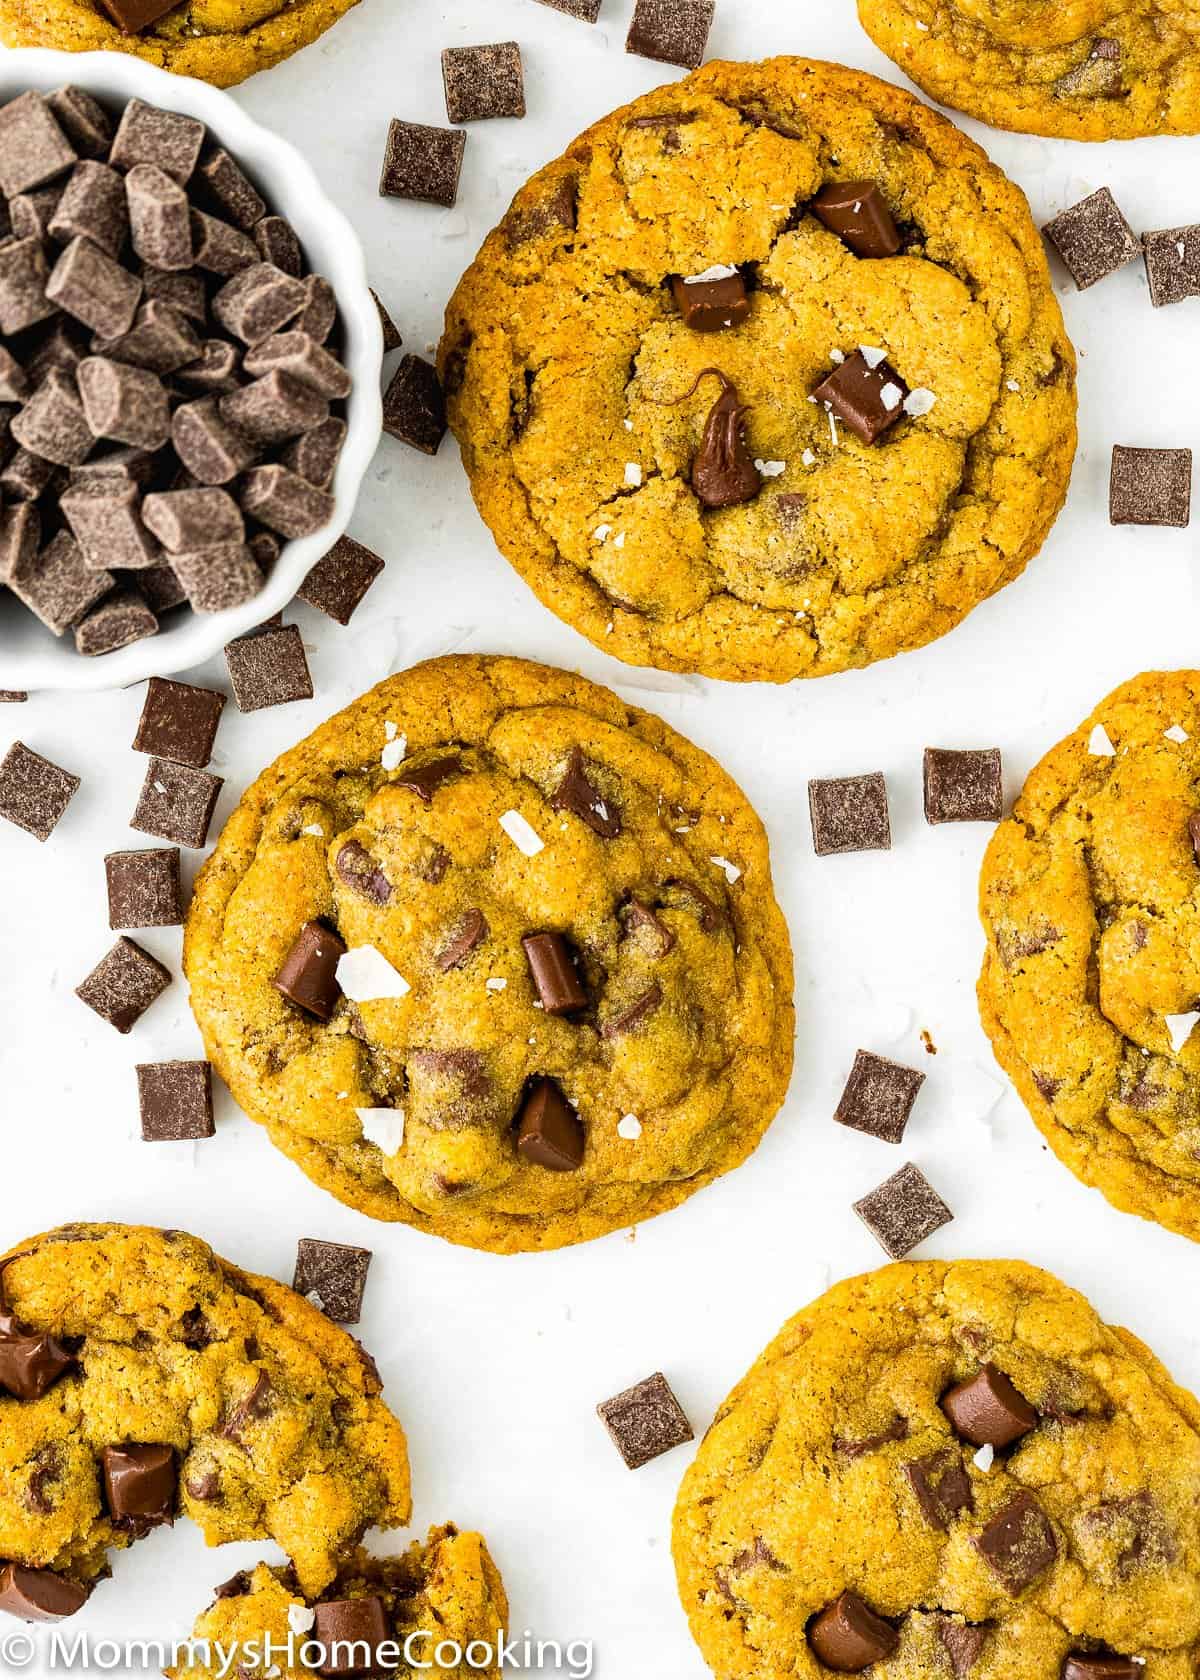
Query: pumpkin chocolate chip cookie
x=218, y=41
x=496, y=954
x=765, y=377
x=1090, y=898
x=143, y=1377
x=950, y=1470
x=1088, y=70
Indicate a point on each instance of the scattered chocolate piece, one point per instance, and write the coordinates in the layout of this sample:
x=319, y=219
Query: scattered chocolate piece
x=422, y=163
x=671, y=31
x=902, y=1211
x=179, y=721
x=358, y=869
x=850, y=814
x=711, y=302
x=858, y=213
x=341, y=1625
x=414, y=408
x=34, y=793
x=139, y=1485
x=879, y=1097
x=554, y=973
x=645, y=1421
x=268, y=668
x=1089, y=1665
x=575, y=793
x=483, y=82
x=988, y=1410
x=1093, y=238
x=722, y=472
x=144, y=888
x=38, y=1595
x=1150, y=486
x=176, y=803
x=470, y=933
x=391, y=332
x=549, y=1133
x=848, y=1636
x=118, y=621
x=1172, y=257
x=33, y=148
x=124, y=984
x=963, y=1643
x=963, y=786
x=1018, y=1543
x=587, y=11
x=337, y=583
x=865, y=394
x=942, y=1487
x=336, y=1273
x=175, y=1099
x=308, y=977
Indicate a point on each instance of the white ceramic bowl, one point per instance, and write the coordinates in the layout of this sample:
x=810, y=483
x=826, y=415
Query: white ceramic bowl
x=30, y=656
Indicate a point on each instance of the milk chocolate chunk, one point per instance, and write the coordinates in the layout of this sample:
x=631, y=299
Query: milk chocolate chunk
x=212, y=451
x=128, y=404
x=88, y=284
x=549, y=1133
x=277, y=243
x=34, y=793
x=105, y=516
x=879, y=1097
x=160, y=224
x=350, y=1630
x=14, y=381
x=308, y=977
x=123, y=985
x=483, y=82
x=988, y=1409
x=314, y=455
x=285, y=502
x=722, y=472
x=184, y=292
x=139, y=1485
x=848, y=1636
x=711, y=305
x=554, y=973
x=146, y=134
x=1018, y=1544
x=628, y=1020
x=469, y=933
x=189, y=519
x=268, y=668
x=258, y=302
x=645, y=1421
x=273, y=409
x=219, y=248
x=1099, y=76
x=358, y=869
x=337, y=583
x=226, y=575
x=38, y=1595
x=33, y=147
x=336, y=1273
x=118, y=621
x=162, y=589
x=858, y=213
x=23, y=276
x=92, y=206
x=577, y=794
x=422, y=163
x=1150, y=486
x=224, y=179
x=963, y=786
x=1093, y=238
x=302, y=359
x=132, y=16
x=319, y=315
x=425, y=779
x=642, y=924
x=414, y=407
x=1086, y=1665
x=902, y=1211
x=942, y=1487
x=963, y=1643
x=864, y=394
x=850, y=814
x=176, y=803
x=1172, y=257
x=30, y=1364
x=84, y=121
x=671, y=31
x=144, y=888
x=213, y=369
x=32, y=212
x=53, y=425
x=56, y=584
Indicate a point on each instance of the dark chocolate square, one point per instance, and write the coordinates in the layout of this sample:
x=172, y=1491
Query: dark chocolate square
x=671, y=31
x=963, y=786
x=268, y=668
x=483, y=82
x=850, y=814
x=175, y=1101
x=414, y=408
x=1172, y=257
x=179, y=722
x=422, y=163
x=34, y=793
x=1150, y=486
x=176, y=802
x=902, y=1211
x=337, y=583
x=1093, y=238
x=144, y=888
x=335, y=1273
x=124, y=984
x=879, y=1097
x=645, y=1421
x=391, y=332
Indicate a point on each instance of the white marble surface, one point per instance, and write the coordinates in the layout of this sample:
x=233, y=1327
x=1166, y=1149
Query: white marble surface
x=495, y=1365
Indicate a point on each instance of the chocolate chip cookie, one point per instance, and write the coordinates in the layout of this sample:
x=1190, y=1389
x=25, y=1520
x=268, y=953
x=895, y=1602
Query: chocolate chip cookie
x=496, y=954
x=947, y=1469
x=1092, y=70
x=218, y=41
x=141, y=1378
x=445, y=1592
x=1091, y=981
x=764, y=378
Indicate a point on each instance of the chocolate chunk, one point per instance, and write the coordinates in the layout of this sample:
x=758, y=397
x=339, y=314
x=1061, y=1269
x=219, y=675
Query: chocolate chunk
x=335, y=1272
x=92, y=206
x=1150, y=486
x=963, y=1643
x=549, y=1132
x=422, y=163
x=414, y=408
x=483, y=82
x=237, y=1585
x=184, y=292
x=161, y=339
x=14, y=383
x=879, y=1097
x=20, y=534
x=124, y=984
x=34, y=793
x=214, y=369
x=226, y=575
x=627, y=1020
x=897, y=1430
x=53, y=425
x=184, y=520
x=144, y=889
x=273, y=409
x=176, y=802
x=711, y=305
x=865, y=394
x=268, y=668
x=988, y=1410
x=175, y=1101
x=576, y=793
x=1172, y=257
x=276, y=241
x=285, y=502
x=850, y=814
x=57, y=585
x=84, y=121
x=587, y=11
x=425, y=779
x=230, y=190
x=126, y=403
x=258, y=302
x=470, y=933
x=118, y=621
x=722, y=472
x=1018, y=1543
x=351, y=1630
x=848, y=1636
x=858, y=213
x=38, y=1595
x=31, y=213
x=132, y=16
x=30, y=1364
x=146, y=134
x=33, y=148
x=338, y=583
x=319, y=315
x=1088, y=1665
x=255, y=1405
x=358, y=869
x=12, y=696
x=1093, y=238
x=902, y=1211
x=554, y=973
x=671, y=31
x=139, y=1485
x=160, y=223
x=649, y=930
x=963, y=786
x=645, y=1421
x=942, y=1487
x=308, y=977
x=105, y=516
x=315, y=455
x=162, y=589
x=391, y=332
x=90, y=286
x=23, y=277
x=219, y=248
x=301, y=359
x=1098, y=77
x=210, y=450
